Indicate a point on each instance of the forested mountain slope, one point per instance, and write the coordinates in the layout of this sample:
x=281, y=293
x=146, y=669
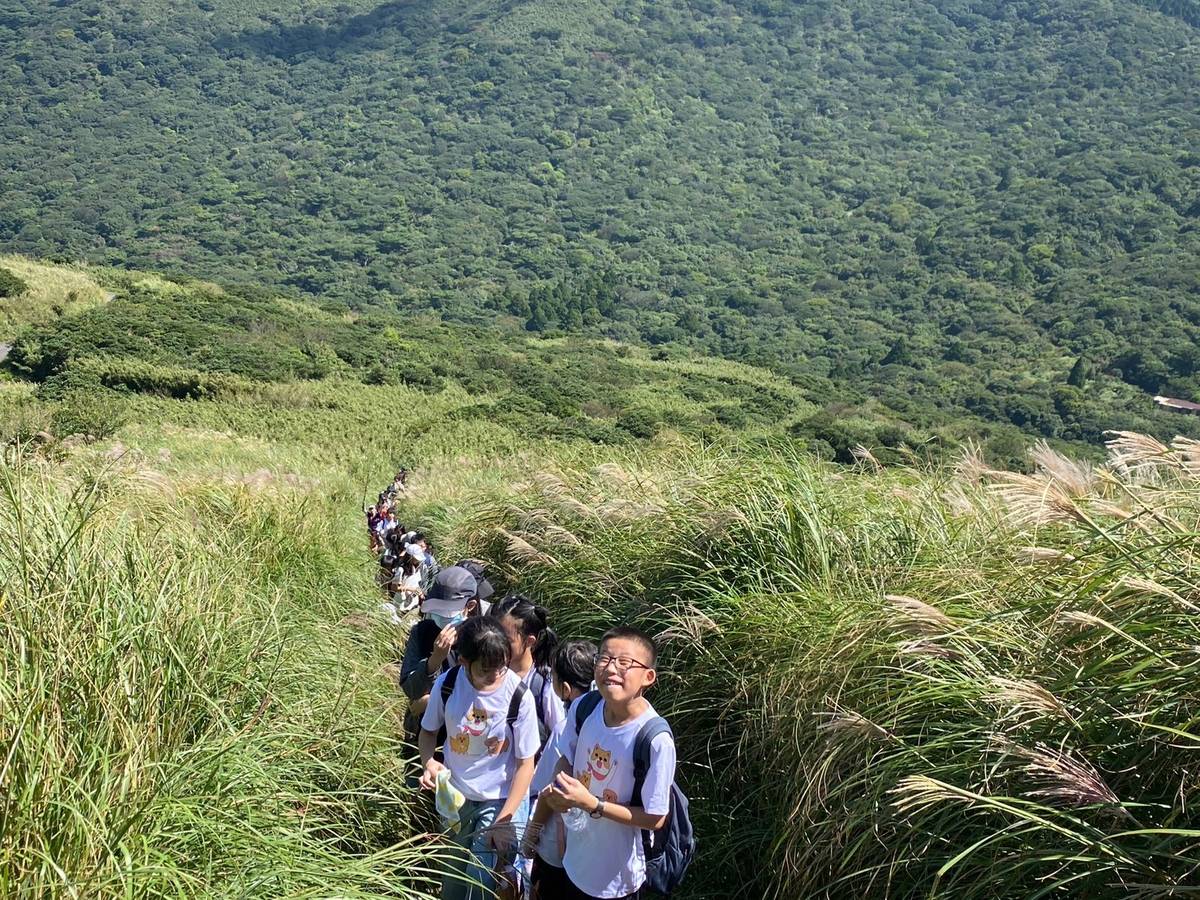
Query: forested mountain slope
x=946, y=205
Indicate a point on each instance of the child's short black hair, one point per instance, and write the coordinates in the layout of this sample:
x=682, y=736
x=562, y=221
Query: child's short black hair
x=575, y=663
x=482, y=640
x=629, y=633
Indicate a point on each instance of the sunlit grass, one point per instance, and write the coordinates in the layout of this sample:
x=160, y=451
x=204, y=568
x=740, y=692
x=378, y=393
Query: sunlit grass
x=903, y=683
x=180, y=712
x=53, y=290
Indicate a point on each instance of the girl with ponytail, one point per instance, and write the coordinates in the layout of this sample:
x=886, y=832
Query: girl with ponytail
x=533, y=644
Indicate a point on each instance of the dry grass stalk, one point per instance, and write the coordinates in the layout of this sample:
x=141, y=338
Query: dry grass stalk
x=926, y=618
x=843, y=725
x=956, y=499
x=1133, y=453
x=924, y=647
x=549, y=484
x=866, y=457
x=559, y=536
x=530, y=519
x=1188, y=452
x=615, y=475
x=572, y=506
x=1062, y=780
x=618, y=511
x=1035, y=499
x=523, y=551
x=1025, y=699
x=1044, y=555
x=970, y=466
x=691, y=626
x=1130, y=587
x=915, y=793
x=1076, y=477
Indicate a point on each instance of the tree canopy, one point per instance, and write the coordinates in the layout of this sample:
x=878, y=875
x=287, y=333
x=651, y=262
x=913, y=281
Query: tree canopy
x=940, y=206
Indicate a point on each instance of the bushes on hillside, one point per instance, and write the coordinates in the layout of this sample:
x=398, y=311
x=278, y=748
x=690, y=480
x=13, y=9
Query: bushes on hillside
x=11, y=284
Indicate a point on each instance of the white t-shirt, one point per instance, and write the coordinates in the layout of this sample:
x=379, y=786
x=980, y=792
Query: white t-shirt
x=400, y=580
x=480, y=753
x=550, y=846
x=606, y=858
x=551, y=705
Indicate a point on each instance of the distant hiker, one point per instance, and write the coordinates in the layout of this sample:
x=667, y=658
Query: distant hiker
x=454, y=596
x=545, y=838
x=373, y=520
x=595, y=789
x=406, y=583
x=491, y=740
x=533, y=644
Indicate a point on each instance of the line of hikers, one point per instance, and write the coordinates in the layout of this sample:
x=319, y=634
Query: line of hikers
x=548, y=764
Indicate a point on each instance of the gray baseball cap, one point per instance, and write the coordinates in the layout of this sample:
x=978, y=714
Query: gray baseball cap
x=452, y=590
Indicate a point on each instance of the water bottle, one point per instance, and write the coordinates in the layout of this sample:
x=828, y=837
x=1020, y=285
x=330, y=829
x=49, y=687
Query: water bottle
x=575, y=819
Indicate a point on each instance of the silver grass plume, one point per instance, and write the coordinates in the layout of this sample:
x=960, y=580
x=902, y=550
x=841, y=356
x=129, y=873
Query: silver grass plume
x=922, y=616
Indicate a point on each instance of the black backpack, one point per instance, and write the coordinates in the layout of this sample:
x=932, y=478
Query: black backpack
x=514, y=705
x=670, y=849
x=537, y=686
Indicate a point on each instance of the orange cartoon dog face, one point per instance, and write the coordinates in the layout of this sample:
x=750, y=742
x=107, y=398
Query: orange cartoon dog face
x=477, y=721
x=600, y=763
x=460, y=743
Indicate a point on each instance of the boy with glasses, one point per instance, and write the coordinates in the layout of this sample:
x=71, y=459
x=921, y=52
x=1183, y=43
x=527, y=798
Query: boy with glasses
x=604, y=853
x=491, y=738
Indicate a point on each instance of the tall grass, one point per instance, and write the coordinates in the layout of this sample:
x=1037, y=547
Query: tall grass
x=896, y=683
x=180, y=712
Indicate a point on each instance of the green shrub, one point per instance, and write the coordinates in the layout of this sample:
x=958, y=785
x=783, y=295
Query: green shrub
x=11, y=285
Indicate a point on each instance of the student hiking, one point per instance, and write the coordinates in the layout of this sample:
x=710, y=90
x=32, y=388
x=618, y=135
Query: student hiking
x=491, y=740
x=604, y=806
x=455, y=595
x=405, y=586
x=533, y=645
x=545, y=837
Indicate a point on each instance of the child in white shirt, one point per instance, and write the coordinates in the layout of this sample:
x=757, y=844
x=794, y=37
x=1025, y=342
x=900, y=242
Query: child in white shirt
x=605, y=858
x=491, y=739
x=545, y=836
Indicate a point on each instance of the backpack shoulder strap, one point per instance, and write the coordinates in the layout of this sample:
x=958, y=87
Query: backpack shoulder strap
x=587, y=703
x=641, y=754
x=514, y=705
x=448, y=683
x=537, y=685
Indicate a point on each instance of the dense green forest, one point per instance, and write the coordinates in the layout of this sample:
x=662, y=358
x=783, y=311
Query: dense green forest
x=950, y=208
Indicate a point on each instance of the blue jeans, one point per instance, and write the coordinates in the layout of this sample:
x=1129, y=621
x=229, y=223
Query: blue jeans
x=477, y=817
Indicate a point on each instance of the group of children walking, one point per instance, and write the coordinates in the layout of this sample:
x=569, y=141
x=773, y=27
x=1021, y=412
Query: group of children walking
x=550, y=767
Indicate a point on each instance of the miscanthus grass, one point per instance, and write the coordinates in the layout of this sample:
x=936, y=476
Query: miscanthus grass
x=905, y=682
x=180, y=713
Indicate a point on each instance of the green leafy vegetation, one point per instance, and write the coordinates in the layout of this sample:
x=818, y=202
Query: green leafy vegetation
x=900, y=678
x=895, y=682
x=182, y=715
x=944, y=209
x=11, y=285
x=199, y=341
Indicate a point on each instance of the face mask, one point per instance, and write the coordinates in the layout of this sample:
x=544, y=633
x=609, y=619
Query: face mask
x=443, y=621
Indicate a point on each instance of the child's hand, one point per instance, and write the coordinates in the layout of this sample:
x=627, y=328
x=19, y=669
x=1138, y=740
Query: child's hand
x=442, y=647
x=572, y=792
x=503, y=836
x=530, y=840
x=429, y=776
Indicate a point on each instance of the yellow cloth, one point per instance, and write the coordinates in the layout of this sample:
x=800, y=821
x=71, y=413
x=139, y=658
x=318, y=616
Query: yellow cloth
x=449, y=800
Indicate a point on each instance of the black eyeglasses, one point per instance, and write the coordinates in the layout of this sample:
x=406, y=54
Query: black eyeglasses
x=623, y=663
